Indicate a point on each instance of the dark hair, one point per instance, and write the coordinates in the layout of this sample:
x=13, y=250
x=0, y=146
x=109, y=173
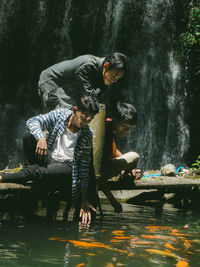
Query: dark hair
x=125, y=111
x=117, y=61
x=88, y=103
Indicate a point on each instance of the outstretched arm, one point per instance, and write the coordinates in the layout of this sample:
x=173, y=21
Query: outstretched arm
x=86, y=207
x=84, y=176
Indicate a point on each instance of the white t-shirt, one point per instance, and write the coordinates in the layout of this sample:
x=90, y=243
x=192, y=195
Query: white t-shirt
x=65, y=145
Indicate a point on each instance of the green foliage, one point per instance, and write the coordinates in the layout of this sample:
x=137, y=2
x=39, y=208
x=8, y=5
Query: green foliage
x=196, y=164
x=189, y=40
x=192, y=35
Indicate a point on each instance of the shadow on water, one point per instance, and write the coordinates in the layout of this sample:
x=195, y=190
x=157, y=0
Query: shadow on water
x=159, y=235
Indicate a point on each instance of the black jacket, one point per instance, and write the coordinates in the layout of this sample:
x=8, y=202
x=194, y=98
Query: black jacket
x=62, y=83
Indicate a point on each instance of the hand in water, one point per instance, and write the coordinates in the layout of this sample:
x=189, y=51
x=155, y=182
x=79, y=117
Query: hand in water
x=85, y=213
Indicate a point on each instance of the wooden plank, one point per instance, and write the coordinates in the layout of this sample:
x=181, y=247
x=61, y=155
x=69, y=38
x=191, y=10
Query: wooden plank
x=12, y=188
x=144, y=183
x=155, y=183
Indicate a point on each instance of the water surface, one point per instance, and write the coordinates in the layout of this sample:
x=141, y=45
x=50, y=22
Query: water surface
x=135, y=237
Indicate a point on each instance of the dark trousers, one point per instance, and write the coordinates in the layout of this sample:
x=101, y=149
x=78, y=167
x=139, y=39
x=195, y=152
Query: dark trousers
x=45, y=172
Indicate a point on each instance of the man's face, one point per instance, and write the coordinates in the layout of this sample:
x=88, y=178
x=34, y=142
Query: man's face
x=121, y=127
x=82, y=119
x=111, y=75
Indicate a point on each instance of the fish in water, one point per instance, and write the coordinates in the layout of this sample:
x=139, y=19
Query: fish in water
x=163, y=253
x=118, y=232
x=125, y=237
x=182, y=264
x=80, y=264
x=158, y=237
x=168, y=245
x=179, y=234
x=158, y=227
x=94, y=245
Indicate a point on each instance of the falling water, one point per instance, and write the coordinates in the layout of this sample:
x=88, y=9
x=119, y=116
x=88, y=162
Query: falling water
x=42, y=33
x=113, y=21
x=65, y=43
x=162, y=134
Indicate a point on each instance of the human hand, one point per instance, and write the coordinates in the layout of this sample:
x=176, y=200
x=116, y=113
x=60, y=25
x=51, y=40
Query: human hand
x=119, y=176
x=41, y=147
x=85, y=214
x=136, y=173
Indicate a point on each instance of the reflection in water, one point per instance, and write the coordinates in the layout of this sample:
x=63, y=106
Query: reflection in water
x=137, y=237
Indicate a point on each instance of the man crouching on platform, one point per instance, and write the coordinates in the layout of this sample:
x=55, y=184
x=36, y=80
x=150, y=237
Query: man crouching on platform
x=115, y=163
x=65, y=156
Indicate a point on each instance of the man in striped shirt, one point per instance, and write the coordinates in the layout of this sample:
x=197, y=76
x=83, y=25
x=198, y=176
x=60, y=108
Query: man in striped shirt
x=65, y=155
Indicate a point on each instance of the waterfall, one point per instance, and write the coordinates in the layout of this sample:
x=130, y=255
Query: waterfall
x=177, y=129
x=36, y=34
x=113, y=20
x=65, y=43
x=161, y=135
x=7, y=10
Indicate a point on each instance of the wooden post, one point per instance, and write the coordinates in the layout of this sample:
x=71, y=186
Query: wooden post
x=98, y=127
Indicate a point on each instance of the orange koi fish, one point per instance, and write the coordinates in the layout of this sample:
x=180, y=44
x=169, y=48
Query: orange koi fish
x=158, y=227
x=86, y=239
x=168, y=245
x=163, y=253
x=174, y=230
x=158, y=237
x=118, y=232
x=89, y=245
x=125, y=237
x=115, y=240
x=144, y=242
x=91, y=254
x=179, y=234
x=130, y=254
x=182, y=264
x=120, y=250
x=189, y=252
x=187, y=244
x=93, y=245
x=81, y=264
x=55, y=238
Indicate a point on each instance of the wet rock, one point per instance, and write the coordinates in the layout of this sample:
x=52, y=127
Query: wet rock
x=168, y=170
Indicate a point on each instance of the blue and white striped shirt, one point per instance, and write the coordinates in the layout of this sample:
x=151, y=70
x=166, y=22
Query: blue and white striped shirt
x=55, y=122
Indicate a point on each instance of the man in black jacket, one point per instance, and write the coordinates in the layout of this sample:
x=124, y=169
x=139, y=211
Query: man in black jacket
x=61, y=84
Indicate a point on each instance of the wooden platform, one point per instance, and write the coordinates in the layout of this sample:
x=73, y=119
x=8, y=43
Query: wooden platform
x=6, y=188
x=164, y=183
